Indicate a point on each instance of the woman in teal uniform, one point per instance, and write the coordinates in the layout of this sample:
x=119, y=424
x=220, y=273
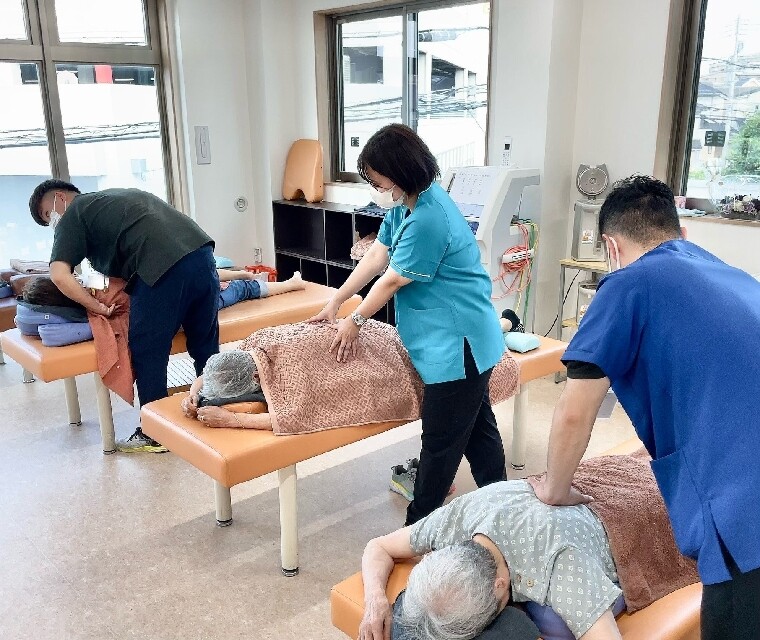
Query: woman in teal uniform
x=444, y=313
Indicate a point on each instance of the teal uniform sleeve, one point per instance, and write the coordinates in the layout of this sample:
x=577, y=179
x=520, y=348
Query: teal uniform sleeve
x=385, y=234
x=609, y=335
x=70, y=241
x=421, y=247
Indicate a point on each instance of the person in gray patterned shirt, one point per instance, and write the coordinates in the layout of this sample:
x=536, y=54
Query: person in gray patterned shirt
x=485, y=548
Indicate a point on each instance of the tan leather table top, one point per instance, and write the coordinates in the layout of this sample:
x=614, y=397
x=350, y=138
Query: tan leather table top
x=235, y=323
x=232, y=456
x=674, y=617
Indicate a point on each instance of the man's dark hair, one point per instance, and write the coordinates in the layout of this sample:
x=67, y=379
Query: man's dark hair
x=43, y=291
x=399, y=154
x=39, y=193
x=640, y=208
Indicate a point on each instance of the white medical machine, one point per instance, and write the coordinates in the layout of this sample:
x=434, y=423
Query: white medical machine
x=592, y=182
x=490, y=198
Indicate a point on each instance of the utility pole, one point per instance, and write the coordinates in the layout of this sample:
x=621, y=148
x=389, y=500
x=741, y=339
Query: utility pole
x=732, y=80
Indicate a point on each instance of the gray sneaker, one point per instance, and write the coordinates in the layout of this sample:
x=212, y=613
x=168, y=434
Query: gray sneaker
x=403, y=477
x=138, y=442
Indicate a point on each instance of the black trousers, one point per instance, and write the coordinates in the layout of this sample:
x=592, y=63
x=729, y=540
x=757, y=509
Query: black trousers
x=185, y=296
x=457, y=420
x=731, y=609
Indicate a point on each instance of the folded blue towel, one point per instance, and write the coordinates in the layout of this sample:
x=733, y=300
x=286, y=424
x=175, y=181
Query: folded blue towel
x=223, y=263
x=521, y=342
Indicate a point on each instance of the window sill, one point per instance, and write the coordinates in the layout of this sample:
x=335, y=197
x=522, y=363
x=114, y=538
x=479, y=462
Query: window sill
x=722, y=220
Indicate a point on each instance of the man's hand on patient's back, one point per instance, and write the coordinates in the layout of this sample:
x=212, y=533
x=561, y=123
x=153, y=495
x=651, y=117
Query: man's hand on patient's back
x=548, y=495
x=378, y=616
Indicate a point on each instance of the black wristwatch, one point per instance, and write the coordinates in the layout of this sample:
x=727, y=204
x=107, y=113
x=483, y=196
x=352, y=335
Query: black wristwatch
x=358, y=319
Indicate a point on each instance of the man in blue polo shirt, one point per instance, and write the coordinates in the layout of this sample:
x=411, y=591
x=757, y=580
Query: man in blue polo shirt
x=690, y=385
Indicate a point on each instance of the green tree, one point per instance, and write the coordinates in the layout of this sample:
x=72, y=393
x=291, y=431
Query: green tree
x=744, y=149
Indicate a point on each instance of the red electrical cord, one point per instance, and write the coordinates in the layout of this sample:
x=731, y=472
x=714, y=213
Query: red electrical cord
x=520, y=270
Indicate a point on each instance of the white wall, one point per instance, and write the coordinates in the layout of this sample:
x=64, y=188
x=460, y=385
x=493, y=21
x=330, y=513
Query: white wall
x=572, y=81
x=735, y=244
x=212, y=74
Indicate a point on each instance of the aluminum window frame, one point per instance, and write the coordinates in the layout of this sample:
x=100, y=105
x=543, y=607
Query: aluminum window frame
x=409, y=13
x=44, y=49
x=690, y=59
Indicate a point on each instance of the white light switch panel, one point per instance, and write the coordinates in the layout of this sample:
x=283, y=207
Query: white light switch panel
x=202, y=146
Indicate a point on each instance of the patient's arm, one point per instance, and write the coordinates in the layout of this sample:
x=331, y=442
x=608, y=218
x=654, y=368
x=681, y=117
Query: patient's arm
x=379, y=557
x=221, y=417
x=603, y=629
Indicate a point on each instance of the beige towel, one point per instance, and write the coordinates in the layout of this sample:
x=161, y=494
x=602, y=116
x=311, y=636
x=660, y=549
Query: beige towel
x=307, y=390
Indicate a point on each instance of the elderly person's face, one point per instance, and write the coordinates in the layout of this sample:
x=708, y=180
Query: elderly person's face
x=473, y=574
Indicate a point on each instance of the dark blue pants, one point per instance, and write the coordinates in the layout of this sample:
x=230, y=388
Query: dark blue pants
x=185, y=296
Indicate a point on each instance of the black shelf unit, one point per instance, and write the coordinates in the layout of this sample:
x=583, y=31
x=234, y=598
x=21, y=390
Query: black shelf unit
x=316, y=239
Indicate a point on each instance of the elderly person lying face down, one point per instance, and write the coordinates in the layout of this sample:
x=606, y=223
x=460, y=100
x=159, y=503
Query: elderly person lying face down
x=484, y=548
x=228, y=377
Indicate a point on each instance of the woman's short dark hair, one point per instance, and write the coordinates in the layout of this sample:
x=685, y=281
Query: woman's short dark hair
x=399, y=154
x=642, y=209
x=43, y=291
x=39, y=193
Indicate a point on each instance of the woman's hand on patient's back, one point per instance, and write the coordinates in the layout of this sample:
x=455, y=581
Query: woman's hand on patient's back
x=329, y=313
x=377, y=620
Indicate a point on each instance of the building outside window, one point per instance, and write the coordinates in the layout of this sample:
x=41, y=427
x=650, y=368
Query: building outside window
x=439, y=87
x=82, y=101
x=724, y=151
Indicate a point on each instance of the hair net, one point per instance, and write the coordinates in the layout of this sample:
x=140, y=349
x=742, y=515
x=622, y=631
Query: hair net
x=229, y=375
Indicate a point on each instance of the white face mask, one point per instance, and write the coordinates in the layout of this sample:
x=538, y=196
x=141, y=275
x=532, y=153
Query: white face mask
x=55, y=217
x=617, y=255
x=385, y=199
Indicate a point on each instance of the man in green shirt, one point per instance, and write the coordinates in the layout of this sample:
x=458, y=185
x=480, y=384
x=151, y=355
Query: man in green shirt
x=166, y=259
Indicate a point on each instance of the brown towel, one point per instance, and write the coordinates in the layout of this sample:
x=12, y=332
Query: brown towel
x=307, y=390
x=30, y=266
x=111, y=341
x=629, y=504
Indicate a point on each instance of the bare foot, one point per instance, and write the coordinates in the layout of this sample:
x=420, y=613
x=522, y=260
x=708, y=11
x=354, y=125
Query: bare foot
x=296, y=282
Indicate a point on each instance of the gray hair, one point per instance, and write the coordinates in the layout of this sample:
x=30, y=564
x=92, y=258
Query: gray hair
x=450, y=594
x=229, y=375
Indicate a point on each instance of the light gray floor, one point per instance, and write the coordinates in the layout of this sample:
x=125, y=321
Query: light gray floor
x=125, y=546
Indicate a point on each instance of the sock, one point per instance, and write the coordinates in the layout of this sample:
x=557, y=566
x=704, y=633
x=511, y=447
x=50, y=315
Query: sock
x=511, y=316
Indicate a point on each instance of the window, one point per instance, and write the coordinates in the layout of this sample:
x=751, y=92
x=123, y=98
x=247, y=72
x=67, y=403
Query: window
x=82, y=101
x=721, y=156
x=440, y=88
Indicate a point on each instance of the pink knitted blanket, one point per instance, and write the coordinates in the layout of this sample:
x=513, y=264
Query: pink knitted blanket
x=308, y=390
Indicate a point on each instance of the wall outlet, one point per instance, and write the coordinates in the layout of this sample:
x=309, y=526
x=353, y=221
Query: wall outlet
x=257, y=259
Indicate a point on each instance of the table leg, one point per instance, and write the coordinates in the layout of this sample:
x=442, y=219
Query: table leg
x=72, y=401
x=105, y=415
x=288, y=520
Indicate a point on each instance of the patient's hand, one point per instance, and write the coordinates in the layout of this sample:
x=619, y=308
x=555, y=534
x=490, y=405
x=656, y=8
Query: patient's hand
x=190, y=406
x=377, y=620
x=217, y=417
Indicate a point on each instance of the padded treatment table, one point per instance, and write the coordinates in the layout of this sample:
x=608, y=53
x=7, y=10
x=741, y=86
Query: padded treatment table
x=233, y=456
x=674, y=617
x=235, y=323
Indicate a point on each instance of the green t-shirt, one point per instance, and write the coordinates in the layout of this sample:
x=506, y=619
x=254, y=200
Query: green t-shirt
x=123, y=232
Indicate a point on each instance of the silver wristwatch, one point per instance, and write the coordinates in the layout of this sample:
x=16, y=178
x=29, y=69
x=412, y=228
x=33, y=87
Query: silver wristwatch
x=358, y=319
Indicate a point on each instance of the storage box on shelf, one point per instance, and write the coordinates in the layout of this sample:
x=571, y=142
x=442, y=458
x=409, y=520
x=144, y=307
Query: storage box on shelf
x=316, y=239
